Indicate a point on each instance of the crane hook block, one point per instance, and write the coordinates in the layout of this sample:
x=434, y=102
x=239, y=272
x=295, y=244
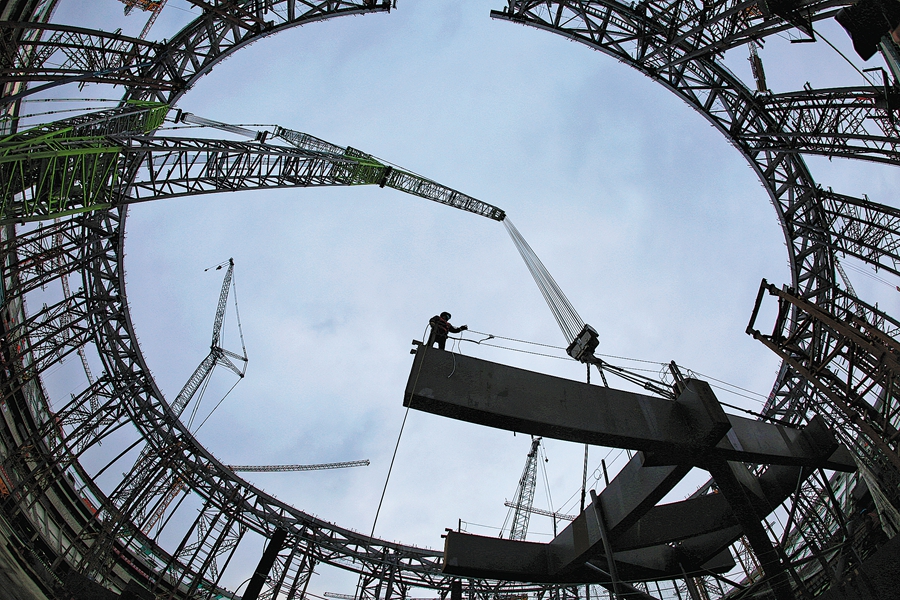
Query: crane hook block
x=583, y=346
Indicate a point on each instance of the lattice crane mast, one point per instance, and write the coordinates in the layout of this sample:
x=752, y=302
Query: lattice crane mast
x=217, y=355
x=172, y=485
x=291, y=468
x=154, y=7
x=129, y=164
x=524, y=497
x=383, y=175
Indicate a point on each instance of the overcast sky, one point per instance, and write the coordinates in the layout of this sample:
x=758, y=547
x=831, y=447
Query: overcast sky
x=654, y=226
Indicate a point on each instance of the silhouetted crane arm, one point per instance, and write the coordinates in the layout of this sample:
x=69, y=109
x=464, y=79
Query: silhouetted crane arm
x=540, y=511
x=223, y=303
x=285, y=468
x=216, y=354
x=393, y=177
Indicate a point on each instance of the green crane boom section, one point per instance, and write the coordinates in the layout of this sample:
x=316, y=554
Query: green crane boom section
x=106, y=159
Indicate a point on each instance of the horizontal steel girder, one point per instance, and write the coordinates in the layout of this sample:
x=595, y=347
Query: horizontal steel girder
x=497, y=558
x=673, y=438
x=688, y=431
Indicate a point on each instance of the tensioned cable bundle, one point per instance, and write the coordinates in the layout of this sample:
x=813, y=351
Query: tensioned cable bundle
x=568, y=320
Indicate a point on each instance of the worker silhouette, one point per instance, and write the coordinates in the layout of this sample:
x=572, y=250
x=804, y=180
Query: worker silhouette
x=440, y=327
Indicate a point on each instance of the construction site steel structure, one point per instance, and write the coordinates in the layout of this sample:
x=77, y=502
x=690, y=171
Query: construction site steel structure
x=840, y=355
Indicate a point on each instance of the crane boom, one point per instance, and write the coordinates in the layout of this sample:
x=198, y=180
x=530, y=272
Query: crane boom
x=223, y=303
x=193, y=383
x=285, y=468
x=108, y=145
x=542, y=512
x=524, y=498
x=394, y=177
x=382, y=174
x=216, y=356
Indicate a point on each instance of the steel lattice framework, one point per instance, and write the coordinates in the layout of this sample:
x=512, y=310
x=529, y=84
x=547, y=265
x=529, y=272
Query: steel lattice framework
x=677, y=43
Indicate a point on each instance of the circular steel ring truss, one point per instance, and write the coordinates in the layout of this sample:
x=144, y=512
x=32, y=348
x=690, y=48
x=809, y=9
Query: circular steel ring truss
x=678, y=45
x=681, y=56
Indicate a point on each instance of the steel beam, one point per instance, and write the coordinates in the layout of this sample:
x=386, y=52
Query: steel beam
x=681, y=432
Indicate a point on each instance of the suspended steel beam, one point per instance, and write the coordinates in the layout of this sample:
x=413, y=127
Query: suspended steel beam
x=514, y=399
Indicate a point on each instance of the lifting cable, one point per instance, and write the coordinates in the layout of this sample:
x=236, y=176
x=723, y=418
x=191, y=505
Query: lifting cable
x=570, y=323
x=566, y=317
x=573, y=326
x=387, y=478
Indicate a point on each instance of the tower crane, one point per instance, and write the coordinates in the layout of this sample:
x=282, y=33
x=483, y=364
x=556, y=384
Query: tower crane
x=524, y=497
x=154, y=7
x=169, y=487
x=217, y=355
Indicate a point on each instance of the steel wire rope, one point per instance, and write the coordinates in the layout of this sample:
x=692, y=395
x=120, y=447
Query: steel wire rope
x=869, y=274
x=397, y=445
x=217, y=406
x=595, y=477
x=32, y=100
x=788, y=38
x=566, y=317
x=51, y=112
x=237, y=315
x=620, y=370
x=200, y=397
x=542, y=452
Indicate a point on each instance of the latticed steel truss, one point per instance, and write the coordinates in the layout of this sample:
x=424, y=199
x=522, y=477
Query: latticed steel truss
x=60, y=54
x=678, y=44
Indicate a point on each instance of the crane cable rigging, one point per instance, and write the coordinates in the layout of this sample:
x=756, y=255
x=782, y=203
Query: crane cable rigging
x=582, y=338
x=570, y=323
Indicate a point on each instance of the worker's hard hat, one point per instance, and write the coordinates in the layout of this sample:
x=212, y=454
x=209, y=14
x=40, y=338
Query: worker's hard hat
x=445, y=316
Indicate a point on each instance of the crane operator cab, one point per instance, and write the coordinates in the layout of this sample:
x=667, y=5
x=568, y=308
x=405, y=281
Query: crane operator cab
x=583, y=346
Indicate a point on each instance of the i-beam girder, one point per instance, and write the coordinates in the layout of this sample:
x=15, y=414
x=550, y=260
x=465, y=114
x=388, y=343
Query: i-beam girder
x=671, y=437
x=786, y=177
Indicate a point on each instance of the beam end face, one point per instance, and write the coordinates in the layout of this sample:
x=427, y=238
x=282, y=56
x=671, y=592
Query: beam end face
x=704, y=414
x=478, y=556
